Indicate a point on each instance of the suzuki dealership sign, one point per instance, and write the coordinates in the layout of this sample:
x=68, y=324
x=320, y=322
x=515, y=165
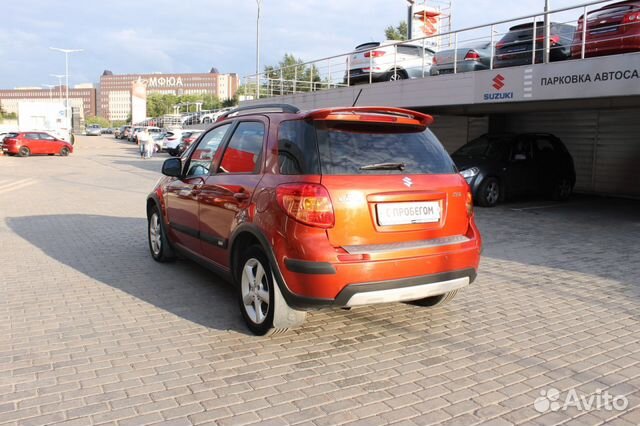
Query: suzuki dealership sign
x=589, y=78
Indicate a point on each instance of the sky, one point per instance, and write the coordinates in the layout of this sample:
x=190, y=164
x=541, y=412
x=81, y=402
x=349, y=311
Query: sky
x=141, y=36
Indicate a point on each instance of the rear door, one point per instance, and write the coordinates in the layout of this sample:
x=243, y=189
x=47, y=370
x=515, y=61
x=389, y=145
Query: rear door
x=522, y=173
x=377, y=203
x=227, y=193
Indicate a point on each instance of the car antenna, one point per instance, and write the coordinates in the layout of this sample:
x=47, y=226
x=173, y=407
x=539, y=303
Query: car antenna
x=357, y=97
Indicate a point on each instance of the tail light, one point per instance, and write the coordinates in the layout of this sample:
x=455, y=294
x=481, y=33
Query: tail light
x=434, y=61
x=553, y=40
x=374, y=54
x=631, y=18
x=171, y=139
x=188, y=140
x=500, y=44
x=469, y=204
x=308, y=203
x=472, y=55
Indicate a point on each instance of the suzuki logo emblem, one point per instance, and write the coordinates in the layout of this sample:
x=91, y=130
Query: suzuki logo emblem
x=408, y=182
x=498, y=82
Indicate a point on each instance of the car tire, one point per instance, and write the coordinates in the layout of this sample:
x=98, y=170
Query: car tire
x=434, y=301
x=489, y=192
x=64, y=151
x=159, y=245
x=396, y=75
x=24, y=152
x=562, y=190
x=262, y=306
x=206, y=120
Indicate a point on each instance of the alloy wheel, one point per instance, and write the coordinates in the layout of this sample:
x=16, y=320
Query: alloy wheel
x=492, y=192
x=155, y=234
x=255, y=291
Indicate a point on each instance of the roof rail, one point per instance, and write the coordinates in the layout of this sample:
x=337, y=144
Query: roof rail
x=249, y=109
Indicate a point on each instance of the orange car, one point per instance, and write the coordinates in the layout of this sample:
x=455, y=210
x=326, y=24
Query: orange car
x=336, y=207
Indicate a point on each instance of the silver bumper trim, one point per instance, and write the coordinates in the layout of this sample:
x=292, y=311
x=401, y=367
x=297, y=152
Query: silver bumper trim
x=406, y=294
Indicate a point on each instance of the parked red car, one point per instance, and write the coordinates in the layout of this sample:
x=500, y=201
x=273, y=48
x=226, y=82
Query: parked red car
x=25, y=144
x=612, y=29
x=335, y=207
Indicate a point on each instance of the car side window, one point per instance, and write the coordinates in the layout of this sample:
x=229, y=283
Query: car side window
x=46, y=137
x=297, y=149
x=32, y=136
x=202, y=156
x=244, y=150
x=544, y=145
x=521, y=150
x=409, y=50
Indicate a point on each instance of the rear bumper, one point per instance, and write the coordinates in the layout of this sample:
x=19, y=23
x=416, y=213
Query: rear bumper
x=308, y=284
x=611, y=45
x=404, y=290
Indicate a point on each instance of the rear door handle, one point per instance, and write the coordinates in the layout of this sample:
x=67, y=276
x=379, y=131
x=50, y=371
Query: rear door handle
x=241, y=195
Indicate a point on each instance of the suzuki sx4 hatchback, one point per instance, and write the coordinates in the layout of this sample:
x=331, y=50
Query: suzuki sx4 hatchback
x=300, y=210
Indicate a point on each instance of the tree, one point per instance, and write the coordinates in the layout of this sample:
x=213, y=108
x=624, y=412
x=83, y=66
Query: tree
x=228, y=103
x=291, y=75
x=399, y=32
x=102, y=122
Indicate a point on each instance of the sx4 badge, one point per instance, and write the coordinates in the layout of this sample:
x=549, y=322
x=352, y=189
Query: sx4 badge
x=499, y=83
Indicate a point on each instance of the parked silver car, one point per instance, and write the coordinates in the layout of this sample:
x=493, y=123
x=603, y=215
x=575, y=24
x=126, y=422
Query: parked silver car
x=473, y=57
x=94, y=130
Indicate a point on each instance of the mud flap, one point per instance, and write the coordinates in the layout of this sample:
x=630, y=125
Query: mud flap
x=283, y=315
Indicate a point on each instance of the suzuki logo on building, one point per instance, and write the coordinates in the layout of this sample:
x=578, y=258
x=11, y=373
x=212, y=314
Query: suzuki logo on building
x=408, y=182
x=498, y=82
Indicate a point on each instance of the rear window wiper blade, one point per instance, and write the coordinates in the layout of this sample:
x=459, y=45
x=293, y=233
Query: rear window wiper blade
x=385, y=166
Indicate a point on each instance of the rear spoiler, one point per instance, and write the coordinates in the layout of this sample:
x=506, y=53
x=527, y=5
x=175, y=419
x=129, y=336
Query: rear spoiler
x=374, y=114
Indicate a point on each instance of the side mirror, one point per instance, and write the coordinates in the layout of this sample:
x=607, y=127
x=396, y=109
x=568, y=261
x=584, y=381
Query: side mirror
x=172, y=167
x=519, y=157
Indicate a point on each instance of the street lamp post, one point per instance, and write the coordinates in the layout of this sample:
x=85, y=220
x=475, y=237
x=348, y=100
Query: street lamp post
x=547, y=31
x=259, y=3
x=410, y=19
x=59, y=77
x=66, y=70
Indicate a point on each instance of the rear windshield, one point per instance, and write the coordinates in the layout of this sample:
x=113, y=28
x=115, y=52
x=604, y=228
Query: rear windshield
x=348, y=149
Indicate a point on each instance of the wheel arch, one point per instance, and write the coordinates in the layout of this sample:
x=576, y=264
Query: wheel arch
x=251, y=233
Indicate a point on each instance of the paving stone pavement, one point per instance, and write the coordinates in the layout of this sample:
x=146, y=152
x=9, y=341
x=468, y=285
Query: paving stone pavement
x=92, y=331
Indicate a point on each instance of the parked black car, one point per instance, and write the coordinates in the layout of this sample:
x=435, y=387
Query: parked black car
x=506, y=165
x=515, y=47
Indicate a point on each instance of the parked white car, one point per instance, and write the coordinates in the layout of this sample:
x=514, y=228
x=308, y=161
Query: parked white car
x=410, y=61
x=212, y=116
x=172, y=139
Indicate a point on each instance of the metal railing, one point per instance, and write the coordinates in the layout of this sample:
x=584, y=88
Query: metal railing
x=414, y=58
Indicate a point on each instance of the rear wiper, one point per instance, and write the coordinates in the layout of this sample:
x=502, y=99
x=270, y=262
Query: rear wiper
x=384, y=166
